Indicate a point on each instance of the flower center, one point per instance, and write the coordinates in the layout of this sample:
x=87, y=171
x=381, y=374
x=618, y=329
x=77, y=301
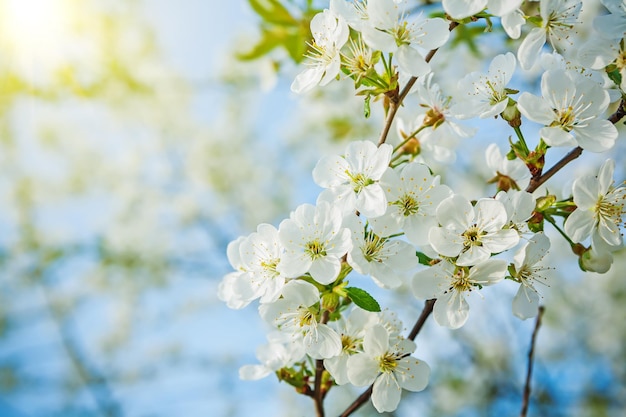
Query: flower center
x=611, y=209
x=408, y=205
x=372, y=247
x=305, y=317
x=471, y=237
x=270, y=266
x=348, y=344
x=402, y=34
x=461, y=281
x=387, y=362
x=315, y=249
x=565, y=118
x=359, y=181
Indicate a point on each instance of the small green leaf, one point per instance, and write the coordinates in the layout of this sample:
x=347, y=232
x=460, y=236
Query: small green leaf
x=272, y=11
x=424, y=260
x=362, y=299
x=366, y=106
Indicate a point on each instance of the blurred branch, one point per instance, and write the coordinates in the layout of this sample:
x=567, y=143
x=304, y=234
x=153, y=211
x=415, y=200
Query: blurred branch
x=94, y=381
x=529, y=371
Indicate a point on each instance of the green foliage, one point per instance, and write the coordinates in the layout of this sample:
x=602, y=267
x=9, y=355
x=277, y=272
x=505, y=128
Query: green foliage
x=280, y=28
x=363, y=299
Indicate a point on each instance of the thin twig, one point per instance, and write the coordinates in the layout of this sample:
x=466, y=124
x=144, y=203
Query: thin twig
x=396, y=102
x=318, y=394
x=365, y=396
x=529, y=371
x=536, y=182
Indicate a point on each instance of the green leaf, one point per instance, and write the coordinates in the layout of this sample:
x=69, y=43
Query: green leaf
x=424, y=260
x=362, y=299
x=366, y=106
x=270, y=39
x=272, y=11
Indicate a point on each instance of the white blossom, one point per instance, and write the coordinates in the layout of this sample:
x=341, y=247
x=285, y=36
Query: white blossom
x=450, y=284
x=471, y=233
x=388, y=31
x=509, y=173
x=558, y=18
x=381, y=258
x=485, y=95
x=352, y=180
x=413, y=195
x=529, y=272
x=330, y=33
x=273, y=356
x=600, y=209
x=571, y=110
x=294, y=314
x=389, y=367
x=314, y=242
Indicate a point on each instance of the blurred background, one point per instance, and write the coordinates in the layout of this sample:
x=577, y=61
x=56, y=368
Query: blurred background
x=139, y=137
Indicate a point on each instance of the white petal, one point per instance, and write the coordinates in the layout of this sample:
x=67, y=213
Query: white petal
x=362, y=369
x=451, y=310
x=458, y=9
x=253, y=372
x=323, y=342
x=531, y=46
x=579, y=224
x=535, y=108
x=325, y=270
x=411, y=62
x=386, y=393
x=412, y=374
x=446, y=242
x=556, y=136
x=525, y=303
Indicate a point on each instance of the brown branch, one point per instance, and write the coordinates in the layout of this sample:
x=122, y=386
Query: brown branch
x=537, y=181
x=365, y=396
x=396, y=102
x=318, y=394
x=529, y=371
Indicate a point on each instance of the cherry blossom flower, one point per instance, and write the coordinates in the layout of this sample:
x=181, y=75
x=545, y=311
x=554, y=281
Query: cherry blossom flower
x=450, y=284
x=519, y=206
x=388, y=31
x=277, y=354
x=528, y=271
x=352, y=180
x=389, y=367
x=600, y=52
x=571, y=110
x=508, y=173
x=613, y=25
x=234, y=289
x=471, y=233
x=600, y=209
x=485, y=95
x=558, y=18
x=381, y=258
x=314, y=242
x=459, y=9
x=413, y=195
x=330, y=33
x=260, y=255
x=351, y=330
x=295, y=315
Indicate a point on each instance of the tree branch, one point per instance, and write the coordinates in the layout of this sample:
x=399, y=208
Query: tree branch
x=318, y=394
x=396, y=102
x=529, y=371
x=365, y=396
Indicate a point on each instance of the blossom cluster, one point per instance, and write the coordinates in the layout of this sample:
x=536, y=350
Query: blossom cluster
x=384, y=212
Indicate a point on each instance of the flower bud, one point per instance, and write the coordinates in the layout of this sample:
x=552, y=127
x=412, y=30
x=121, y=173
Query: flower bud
x=593, y=261
x=330, y=301
x=545, y=202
